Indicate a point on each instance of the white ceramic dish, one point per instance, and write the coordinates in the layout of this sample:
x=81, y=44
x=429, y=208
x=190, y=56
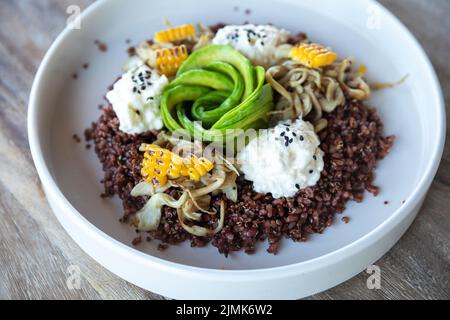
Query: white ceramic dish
x=60, y=106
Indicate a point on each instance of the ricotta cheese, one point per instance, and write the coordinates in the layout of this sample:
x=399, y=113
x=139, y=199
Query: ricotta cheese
x=136, y=98
x=256, y=42
x=283, y=160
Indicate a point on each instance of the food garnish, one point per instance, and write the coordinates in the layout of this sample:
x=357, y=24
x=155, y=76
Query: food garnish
x=183, y=32
x=312, y=55
x=168, y=60
x=288, y=154
x=159, y=164
x=136, y=97
x=308, y=93
x=362, y=70
x=226, y=90
x=196, y=178
x=388, y=85
x=258, y=43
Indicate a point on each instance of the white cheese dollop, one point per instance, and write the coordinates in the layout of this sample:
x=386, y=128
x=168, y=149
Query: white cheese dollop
x=136, y=98
x=256, y=42
x=283, y=160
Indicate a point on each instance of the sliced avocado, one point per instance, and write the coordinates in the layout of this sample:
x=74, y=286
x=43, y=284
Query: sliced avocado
x=225, y=53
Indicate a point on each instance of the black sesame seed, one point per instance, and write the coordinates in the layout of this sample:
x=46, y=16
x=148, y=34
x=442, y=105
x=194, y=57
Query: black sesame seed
x=286, y=144
x=314, y=157
x=301, y=138
x=297, y=186
x=311, y=171
x=294, y=134
x=291, y=140
x=287, y=129
x=134, y=89
x=282, y=134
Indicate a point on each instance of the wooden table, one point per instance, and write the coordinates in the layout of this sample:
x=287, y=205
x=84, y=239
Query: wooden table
x=35, y=251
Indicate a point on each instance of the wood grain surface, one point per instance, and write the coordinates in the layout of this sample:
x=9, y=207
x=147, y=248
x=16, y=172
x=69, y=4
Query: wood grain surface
x=36, y=252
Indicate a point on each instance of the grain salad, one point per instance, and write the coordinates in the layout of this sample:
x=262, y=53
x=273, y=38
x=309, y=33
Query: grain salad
x=243, y=133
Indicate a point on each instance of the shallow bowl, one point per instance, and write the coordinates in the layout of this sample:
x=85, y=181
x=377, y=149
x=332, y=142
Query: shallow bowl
x=61, y=106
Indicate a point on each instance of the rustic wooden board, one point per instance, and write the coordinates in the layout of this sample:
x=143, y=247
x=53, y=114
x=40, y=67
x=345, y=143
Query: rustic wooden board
x=36, y=252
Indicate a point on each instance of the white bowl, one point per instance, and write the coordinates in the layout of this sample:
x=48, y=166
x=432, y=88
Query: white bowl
x=61, y=106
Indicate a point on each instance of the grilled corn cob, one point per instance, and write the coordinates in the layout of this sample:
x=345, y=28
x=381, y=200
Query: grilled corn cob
x=185, y=31
x=160, y=164
x=312, y=55
x=168, y=60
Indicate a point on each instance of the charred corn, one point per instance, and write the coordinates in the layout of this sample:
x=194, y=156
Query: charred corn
x=168, y=60
x=312, y=55
x=160, y=164
x=185, y=31
x=198, y=167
